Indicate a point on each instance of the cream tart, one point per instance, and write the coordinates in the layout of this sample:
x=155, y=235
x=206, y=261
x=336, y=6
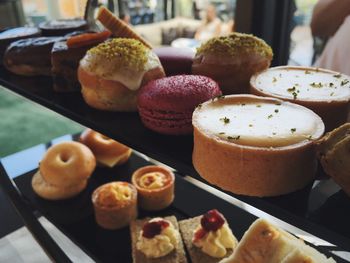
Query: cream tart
x=115, y=204
x=208, y=238
x=157, y=240
x=325, y=92
x=255, y=146
x=155, y=186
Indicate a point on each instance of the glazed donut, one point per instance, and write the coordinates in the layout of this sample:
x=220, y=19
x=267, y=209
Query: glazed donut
x=52, y=192
x=108, y=152
x=67, y=164
x=112, y=73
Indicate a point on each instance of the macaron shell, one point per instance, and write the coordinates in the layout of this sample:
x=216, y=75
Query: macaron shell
x=169, y=127
x=166, y=105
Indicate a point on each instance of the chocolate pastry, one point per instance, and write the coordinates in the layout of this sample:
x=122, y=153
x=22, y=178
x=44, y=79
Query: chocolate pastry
x=65, y=62
x=30, y=57
x=14, y=34
x=62, y=26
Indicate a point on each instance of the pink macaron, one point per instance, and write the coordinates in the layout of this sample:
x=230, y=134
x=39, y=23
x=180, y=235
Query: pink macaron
x=166, y=105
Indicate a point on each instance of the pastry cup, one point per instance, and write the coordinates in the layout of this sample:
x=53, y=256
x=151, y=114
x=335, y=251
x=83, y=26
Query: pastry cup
x=118, y=215
x=158, y=198
x=255, y=169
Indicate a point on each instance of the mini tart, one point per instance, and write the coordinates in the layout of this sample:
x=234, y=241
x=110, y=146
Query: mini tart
x=115, y=204
x=255, y=146
x=155, y=186
x=325, y=92
x=107, y=151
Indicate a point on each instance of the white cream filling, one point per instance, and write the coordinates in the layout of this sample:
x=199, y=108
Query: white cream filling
x=129, y=77
x=263, y=125
x=304, y=84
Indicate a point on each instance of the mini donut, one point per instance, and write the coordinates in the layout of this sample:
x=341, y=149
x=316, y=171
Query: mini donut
x=52, y=192
x=112, y=73
x=67, y=164
x=108, y=152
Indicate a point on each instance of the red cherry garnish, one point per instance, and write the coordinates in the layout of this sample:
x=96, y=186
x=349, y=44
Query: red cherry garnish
x=212, y=220
x=151, y=229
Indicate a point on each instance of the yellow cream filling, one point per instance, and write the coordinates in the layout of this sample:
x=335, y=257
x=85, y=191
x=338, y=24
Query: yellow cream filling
x=152, y=180
x=216, y=243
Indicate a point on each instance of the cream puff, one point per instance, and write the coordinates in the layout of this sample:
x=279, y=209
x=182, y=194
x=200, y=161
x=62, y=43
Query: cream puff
x=112, y=73
x=232, y=60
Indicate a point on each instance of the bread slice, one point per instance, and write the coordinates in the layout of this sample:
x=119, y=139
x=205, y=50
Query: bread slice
x=334, y=154
x=265, y=243
x=187, y=228
x=176, y=256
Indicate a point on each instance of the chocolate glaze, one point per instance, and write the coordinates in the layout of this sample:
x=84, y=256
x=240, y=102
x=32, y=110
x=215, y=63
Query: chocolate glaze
x=62, y=26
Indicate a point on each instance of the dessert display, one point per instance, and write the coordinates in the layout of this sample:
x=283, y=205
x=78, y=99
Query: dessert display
x=232, y=60
x=14, y=34
x=166, y=105
x=112, y=73
x=118, y=27
x=175, y=61
x=325, y=92
x=115, y=205
x=265, y=243
x=157, y=240
x=108, y=152
x=255, y=146
x=63, y=171
x=334, y=154
x=208, y=238
x=155, y=187
x=31, y=56
x=62, y=27
x=65, y=57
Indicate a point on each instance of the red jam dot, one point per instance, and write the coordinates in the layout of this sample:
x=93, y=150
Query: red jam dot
x=212, y=220
x=199, y=234
x=151, y=229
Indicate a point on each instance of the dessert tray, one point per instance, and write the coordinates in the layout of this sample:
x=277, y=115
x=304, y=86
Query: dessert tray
x=320, y=209
x=74, y=217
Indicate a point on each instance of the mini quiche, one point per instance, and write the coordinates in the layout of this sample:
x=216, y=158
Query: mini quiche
x=155, y=186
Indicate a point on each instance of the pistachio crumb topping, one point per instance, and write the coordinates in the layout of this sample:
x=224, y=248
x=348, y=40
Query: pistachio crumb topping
x=225, y=120
x=129, y=52
x=236, y=42
x=292, y=130
x=344, y=82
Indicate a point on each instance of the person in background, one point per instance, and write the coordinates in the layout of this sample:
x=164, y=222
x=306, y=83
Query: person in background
x=331, y=19
x=125, y=18
x=211, y=26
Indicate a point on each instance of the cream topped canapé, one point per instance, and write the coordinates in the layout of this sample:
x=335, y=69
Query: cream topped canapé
x=300, y=83
x=157, y=238
x=120, y=59
x=213, y=236
x=260, y=122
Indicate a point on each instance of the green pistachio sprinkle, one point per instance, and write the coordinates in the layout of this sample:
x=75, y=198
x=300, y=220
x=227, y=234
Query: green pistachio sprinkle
x=225, y=120
x=292, y=130
x=235, y=43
